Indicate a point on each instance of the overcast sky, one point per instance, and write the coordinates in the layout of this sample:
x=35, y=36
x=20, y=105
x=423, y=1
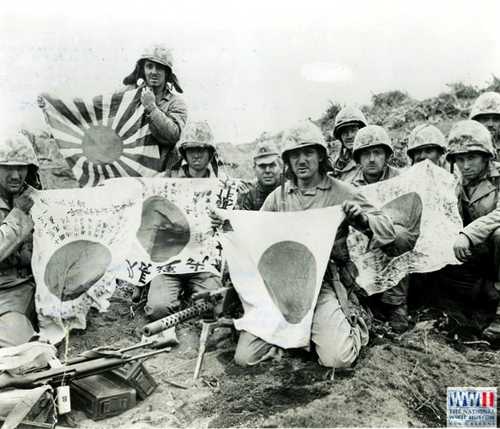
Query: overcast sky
x=246, y=66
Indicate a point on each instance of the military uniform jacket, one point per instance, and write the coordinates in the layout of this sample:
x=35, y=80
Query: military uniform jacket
x=479, y=205
x=331, y=192
x=254, y=198
x=343, y=167
x=15, y=246
x=166, y=123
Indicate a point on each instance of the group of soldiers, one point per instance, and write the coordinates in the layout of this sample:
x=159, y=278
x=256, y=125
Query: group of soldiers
x=296, y=174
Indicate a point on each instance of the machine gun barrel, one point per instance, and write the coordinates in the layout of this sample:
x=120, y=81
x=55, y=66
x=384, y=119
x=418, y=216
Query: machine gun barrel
x=176, y=318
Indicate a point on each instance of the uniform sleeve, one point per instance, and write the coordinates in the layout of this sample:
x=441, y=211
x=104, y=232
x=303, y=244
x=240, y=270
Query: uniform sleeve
x=14, y=230
x=479, y=230
x=167, y=123
x=271, y=203
x=244, y=201
x=381, y=227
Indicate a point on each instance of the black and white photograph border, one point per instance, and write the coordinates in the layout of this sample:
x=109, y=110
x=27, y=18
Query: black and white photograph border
x=257, y=80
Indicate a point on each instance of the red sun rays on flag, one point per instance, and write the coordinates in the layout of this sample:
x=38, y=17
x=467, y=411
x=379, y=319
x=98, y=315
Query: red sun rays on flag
x=103, y=138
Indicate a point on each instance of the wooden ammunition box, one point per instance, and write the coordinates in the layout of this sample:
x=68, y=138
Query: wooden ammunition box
x=137, y=376
x=101, y=396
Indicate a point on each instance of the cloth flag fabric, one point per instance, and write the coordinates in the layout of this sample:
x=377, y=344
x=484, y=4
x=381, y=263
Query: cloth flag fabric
x=175, y=235
x=423, y=201
x=78, y=243
x=103, y=137
x=277, y=262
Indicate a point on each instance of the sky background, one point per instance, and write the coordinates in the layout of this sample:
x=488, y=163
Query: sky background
x=246, y=66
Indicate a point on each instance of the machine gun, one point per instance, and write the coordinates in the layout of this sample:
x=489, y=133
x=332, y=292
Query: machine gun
x=209, y=305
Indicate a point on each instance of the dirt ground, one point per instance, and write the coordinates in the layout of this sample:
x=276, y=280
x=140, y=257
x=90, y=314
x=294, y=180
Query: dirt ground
x=396, y=382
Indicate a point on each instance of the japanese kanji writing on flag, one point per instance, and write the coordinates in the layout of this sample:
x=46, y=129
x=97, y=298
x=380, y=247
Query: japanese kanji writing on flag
x=277, y=262
x=103, y=137
x=78, y=243
x=422, y=203
x=175, y=234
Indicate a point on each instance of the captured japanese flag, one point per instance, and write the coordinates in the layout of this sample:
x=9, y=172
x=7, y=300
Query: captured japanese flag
x=103, y=137
x=277, y=262
x=79, y=242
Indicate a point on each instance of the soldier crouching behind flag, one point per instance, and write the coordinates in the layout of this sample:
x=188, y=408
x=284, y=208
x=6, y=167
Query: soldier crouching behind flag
x=478, y=244
x=18, y=171
x=198, y=150
x=339, y=329
x=166, y=111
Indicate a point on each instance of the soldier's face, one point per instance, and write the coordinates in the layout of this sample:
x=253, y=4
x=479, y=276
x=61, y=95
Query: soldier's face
x=155, y=74
x=12, y=177
x=268, y=173
x=305, y=162
x=198, y=158
x=373, y=160
x=347, y=135
x=492, y=122
x=431, y=153
x=471, y=165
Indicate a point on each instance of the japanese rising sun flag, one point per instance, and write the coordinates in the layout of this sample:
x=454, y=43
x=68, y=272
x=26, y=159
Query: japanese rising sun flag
x=103, y=137
x=175, y=234
x=79, y=241
x=277, y=262
x=422, y=203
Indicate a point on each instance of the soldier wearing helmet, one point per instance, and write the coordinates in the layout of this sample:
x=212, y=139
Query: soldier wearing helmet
x=371, y=150
x=486, y=110
x=426, y=142
x=347, y=123
x=478, y=244
x=18, y=177
x=197, y=148
x=198, y=152
x=339, y=327
x=268, y=167
x=166, y=111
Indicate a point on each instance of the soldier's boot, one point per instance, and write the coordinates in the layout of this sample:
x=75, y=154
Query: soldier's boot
x=398, y=317
x=492, y=332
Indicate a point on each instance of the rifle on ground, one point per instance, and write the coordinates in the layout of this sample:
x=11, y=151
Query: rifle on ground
x=83, y=366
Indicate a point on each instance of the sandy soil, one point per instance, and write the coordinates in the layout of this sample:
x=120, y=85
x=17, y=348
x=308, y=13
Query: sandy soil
x=396, y=382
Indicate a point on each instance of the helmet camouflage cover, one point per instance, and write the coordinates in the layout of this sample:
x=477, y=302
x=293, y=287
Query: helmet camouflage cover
x=17, y=150
x=161, y=55
x=304, y=134
x=469, y=136
x=486, y=104
x=425, y=135
x=196, y=135
x=370, y=136
x=346, y=116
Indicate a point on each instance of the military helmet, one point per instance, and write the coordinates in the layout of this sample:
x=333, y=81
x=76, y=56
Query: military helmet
x=486, y=104
x=265, y=153
x=17, y=150
x=196, y=134
x=304, y=134
x=370, y=136
x=347, y=116
x=425, y=135
x=469, y=136
x=161, y=55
